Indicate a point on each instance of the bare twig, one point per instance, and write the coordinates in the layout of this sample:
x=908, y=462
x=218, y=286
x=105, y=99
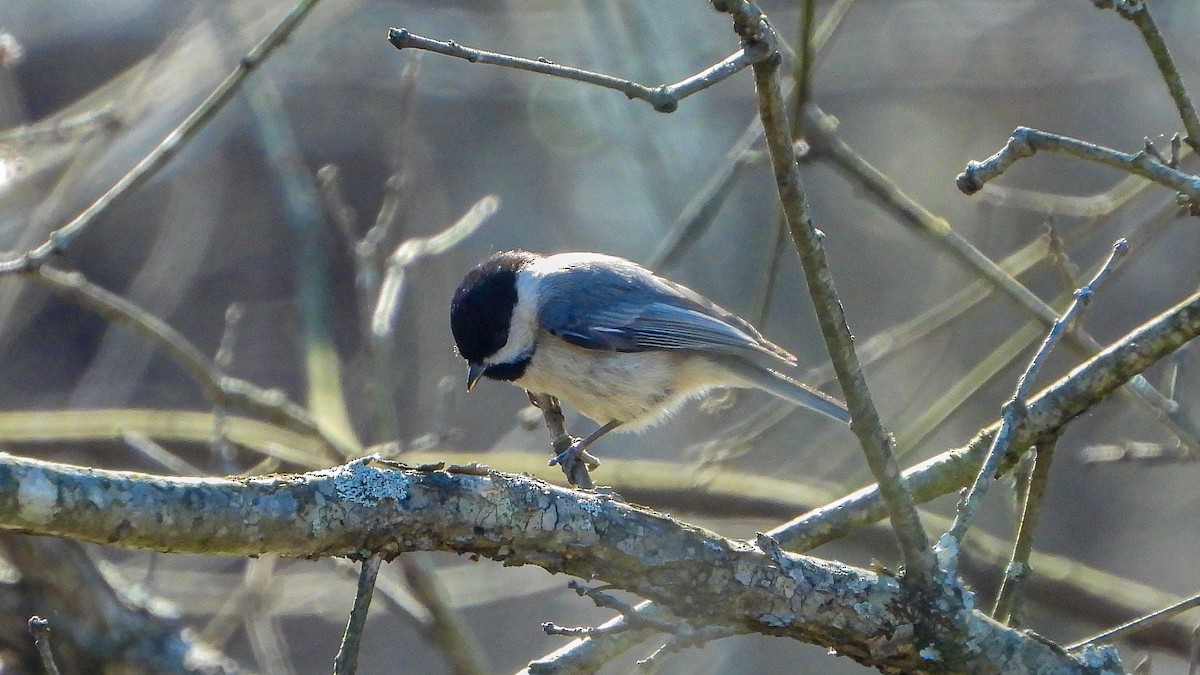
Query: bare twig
x=604, y=600
x=820, y=129
x=169, y=424
x=1008, y=598
x=444, y=625
x=329, y=182
x=803, y=70
x=223, y=360
x=1138, y=13
x=346, y=662
x=664, y=98
x=1138, y=624
x=220, y=388
x=157, y=453
x=1075, y=206
x=164, y=151
x=58, y=129
x=704, y=205
x=684, y=637
x=1015, y=410
x=1142, y=453
x=391, y=292
x=101, y=621
x=39, y=628
x=1025, y=142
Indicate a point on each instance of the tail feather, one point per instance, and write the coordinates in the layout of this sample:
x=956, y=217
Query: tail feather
x=788, y=389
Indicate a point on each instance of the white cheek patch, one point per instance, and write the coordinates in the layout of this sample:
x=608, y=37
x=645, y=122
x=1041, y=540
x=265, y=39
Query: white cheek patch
x=522, y=332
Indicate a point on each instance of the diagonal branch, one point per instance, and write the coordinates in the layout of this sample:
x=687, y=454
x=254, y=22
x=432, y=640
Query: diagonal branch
x=1015, y=408
x=1048, y=413
x=220, y=388
x=1136, y=12
x=168, y=148
x=757, y=34
x=820, y=130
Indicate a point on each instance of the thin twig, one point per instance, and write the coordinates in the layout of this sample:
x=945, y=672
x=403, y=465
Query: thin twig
x=706, y=202
x=756, y=33
x=164, y=151
x=250, y=598
x=223, y=360
x=346, y=661
x=329, y=182
x=391, y=292
x=1009, y=597
x=1015, y=410
x=1141, y=623
x=445, y=625
x=1138, y=13
x=664, y=98
x=220, y=388
x=1025, y=142
x=702, y=209
x=1066, y=269
x=157, y=453
x=164, y=424
x=79, y=125
x=39, y=628
x=1076, y=206
x=803, y=70
x=820, y=129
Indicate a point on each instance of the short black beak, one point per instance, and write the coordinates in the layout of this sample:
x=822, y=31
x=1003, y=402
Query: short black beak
x=474, y=372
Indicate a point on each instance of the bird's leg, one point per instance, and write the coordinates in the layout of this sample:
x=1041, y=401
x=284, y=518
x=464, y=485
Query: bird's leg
x=578, y=449
x=576, y=467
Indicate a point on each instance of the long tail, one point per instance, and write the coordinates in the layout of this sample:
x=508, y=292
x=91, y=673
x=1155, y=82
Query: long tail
x=790, y=390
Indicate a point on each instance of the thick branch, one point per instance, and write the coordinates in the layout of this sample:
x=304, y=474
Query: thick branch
x=371, y=507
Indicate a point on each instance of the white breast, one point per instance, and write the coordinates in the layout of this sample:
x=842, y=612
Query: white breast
x=638, y=389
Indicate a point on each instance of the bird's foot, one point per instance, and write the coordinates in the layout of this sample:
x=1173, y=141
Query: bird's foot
x=576, y=452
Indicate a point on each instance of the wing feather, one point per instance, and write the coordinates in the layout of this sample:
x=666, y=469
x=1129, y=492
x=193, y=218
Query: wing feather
x=620, y=306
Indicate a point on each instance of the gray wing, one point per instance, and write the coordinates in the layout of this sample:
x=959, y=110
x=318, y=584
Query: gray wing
x=620, y=306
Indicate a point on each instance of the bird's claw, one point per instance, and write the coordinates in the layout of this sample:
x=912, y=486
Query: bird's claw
x=576, y=452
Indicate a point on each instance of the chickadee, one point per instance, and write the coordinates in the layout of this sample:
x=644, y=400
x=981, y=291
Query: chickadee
x=611, y=339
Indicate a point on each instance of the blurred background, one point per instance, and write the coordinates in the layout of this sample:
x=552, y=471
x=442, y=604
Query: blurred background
x=263, y=243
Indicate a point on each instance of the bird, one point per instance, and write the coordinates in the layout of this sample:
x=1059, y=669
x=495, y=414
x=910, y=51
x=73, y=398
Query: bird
x=611, y=339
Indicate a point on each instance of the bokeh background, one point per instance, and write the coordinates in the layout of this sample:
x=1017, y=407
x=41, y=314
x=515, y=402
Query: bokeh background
x=240, y=217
